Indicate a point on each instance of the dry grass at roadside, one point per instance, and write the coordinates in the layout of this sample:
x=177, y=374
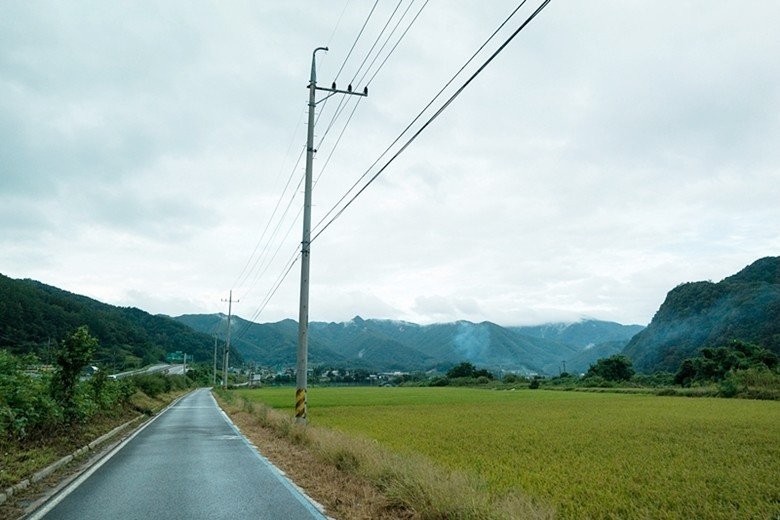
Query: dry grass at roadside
x=356, y=478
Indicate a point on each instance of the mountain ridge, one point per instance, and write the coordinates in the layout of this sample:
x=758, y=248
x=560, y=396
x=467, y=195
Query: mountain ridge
x=400, y=345
x=744, y=306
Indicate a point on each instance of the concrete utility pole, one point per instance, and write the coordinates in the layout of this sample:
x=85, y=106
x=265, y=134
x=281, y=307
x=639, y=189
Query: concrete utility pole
x=303, y=315
x=214, y=372
x=227, y=343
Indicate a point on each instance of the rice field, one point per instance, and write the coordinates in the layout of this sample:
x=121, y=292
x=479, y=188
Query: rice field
x=587, y=455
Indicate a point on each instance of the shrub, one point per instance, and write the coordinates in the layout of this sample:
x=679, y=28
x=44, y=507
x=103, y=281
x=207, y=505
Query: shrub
x=75, y=353
x=613, y=368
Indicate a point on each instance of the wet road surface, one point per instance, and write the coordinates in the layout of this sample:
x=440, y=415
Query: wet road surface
x=189, y=462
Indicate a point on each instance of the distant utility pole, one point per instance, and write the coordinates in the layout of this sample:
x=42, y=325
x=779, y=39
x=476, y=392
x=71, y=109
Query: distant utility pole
x=184, y=364
x=214, y=372
x=303, y=315
x=227, y=343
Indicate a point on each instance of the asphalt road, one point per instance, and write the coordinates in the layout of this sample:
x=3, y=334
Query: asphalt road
x=189, y=462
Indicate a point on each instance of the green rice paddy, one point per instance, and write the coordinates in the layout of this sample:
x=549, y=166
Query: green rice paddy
x=587, y=455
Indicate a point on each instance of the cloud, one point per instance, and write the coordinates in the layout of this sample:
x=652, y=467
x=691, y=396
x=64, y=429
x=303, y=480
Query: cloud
x=608, y=154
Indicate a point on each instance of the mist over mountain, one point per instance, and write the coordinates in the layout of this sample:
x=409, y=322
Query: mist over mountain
x=399, y=345
x=33, y=313
x=744, y=306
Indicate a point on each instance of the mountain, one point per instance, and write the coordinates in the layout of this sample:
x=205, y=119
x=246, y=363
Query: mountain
x=399, y=345
x=591, y=339
x=35, y=316
x=584, y=334
x=744, y=306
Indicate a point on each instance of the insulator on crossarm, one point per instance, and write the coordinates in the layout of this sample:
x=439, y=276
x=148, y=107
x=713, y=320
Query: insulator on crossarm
x=333, y=86
x=349, y=88
x=365, y=91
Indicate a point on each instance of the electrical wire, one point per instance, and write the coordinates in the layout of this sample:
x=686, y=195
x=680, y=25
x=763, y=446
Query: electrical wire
x=396, y=43
x=419, y=115
x=376, y=40
x=433, y=117
x=269, y=295
x=356, y=40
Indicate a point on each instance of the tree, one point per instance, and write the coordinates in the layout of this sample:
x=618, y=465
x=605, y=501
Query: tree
x=466, y=369
x=714, y=364
x=613, y=368
x=75, y=353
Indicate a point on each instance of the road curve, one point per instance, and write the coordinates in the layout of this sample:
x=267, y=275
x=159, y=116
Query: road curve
x=189, y=462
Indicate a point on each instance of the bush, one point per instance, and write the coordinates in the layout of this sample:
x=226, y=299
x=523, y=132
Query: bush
x=596, y=382
x=534, y=384
x=25, y=404
x=613, y=368
x=439, y=381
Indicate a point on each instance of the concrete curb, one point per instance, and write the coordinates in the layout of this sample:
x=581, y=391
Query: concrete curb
x=51, y=468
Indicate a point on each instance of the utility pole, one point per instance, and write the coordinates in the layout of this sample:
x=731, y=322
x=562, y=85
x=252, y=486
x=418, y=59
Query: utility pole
x=227, y=343
x=303, y=314
x=214, y=372
x=184, y=364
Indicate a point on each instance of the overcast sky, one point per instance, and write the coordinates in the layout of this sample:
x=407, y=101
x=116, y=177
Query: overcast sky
x=613, y=151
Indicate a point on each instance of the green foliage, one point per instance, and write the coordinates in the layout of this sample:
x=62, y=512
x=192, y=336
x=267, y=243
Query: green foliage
x=613, y=368
x=534, y=384
x=29, y=411
x=744, y=306
x=156, y=384
x=25, y=405
x=466, y=369
x=75, y=353
x=34, y=316
x=511, y=378
x=714, y=364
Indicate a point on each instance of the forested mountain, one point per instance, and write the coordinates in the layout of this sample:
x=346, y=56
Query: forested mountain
x=398, y=345
x=745, y=306
x=35, y=316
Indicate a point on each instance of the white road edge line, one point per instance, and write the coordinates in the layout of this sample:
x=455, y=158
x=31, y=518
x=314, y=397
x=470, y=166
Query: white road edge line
x=314, y=507
x=51, y=504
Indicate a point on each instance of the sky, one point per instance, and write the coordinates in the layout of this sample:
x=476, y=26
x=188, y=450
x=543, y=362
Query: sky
x=611, y=151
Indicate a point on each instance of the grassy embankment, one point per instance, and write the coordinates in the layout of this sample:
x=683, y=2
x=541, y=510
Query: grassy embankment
x=586, y=455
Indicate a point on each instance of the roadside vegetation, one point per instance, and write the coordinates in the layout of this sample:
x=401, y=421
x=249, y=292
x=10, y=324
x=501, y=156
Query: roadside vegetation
x=583, y=455
x=48, y=413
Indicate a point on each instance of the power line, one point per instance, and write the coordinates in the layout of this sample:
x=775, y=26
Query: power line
x=339, y=109
x=239, y=280
x=342, y=102
x=396, y=43
x=338, y=140
x=433, y=117
x=270, y=294
x=376, y=40
x=420, y=114
x=356, y=40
